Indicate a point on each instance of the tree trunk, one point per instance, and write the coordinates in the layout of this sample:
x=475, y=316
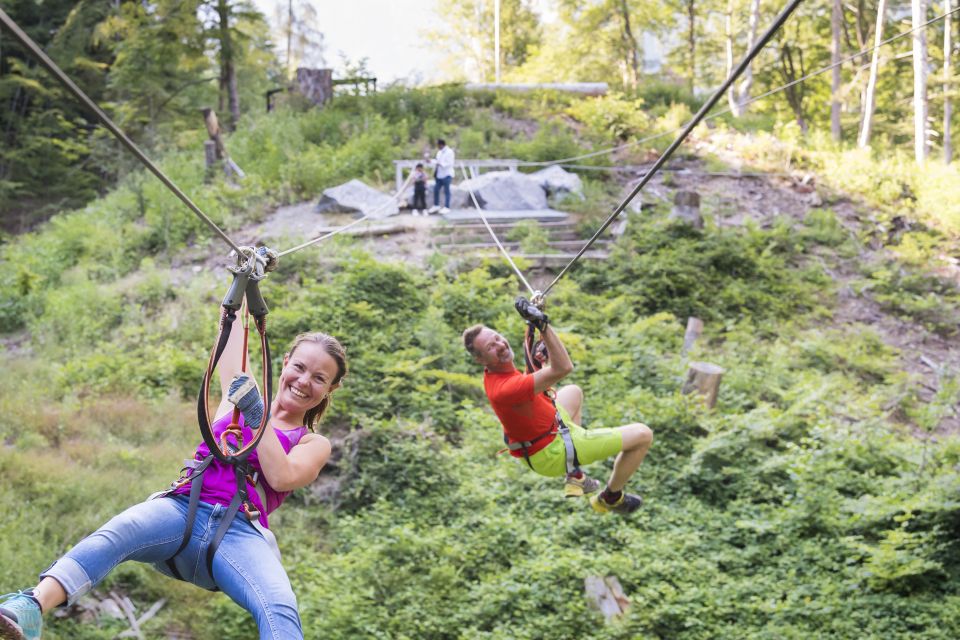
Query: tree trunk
x=228, y=72
x=920, y=105
x=631, y=53
x=732, y=91
x=692, y=42
x=743, y=91
x=289, y=39
x=836, y=18
x=870, y=100
x=794, y=93
x=947, y=107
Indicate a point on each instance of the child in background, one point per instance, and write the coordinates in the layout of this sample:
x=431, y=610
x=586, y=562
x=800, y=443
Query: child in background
x=419, y=190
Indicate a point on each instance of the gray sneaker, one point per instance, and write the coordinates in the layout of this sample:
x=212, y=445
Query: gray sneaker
x=20, y=617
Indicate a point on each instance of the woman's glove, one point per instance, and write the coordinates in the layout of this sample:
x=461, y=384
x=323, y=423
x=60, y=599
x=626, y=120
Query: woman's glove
x=243, y=394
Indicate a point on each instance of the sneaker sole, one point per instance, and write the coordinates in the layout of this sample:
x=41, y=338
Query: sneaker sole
x=9, y=630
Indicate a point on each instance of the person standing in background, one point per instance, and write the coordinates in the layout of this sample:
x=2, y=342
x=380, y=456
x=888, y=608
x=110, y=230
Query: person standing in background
x=419, y=190
x=443, y=176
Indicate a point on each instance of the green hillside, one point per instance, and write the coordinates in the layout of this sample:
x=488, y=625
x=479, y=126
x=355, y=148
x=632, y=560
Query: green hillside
x=818, y=499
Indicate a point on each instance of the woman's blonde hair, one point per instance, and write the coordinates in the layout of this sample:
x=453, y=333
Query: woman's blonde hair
x=335, y=350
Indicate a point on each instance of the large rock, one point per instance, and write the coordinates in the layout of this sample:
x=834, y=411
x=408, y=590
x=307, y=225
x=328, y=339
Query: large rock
x=357, y=197
x=459, y=197
x=555, y=179
x=506, y=191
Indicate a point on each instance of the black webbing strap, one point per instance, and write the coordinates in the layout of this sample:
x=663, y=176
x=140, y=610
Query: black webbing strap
x=239, y=498
x=229, y=316
x=196, y=484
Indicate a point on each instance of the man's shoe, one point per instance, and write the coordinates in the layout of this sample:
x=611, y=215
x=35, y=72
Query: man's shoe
x=433, y=209
x=20, y=617
x=444, y=210
x=574, y=487
x=628, y=503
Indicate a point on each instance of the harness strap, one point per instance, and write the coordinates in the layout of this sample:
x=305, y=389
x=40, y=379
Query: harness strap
x=228, y=517
x=195, y=488
x=571, y=459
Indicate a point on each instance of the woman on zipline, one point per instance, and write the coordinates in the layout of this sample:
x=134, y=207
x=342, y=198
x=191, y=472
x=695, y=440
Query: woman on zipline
x=245, y=566
x=544, y=428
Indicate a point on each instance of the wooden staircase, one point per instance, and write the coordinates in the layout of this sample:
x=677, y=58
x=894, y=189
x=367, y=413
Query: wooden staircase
x=470, y=239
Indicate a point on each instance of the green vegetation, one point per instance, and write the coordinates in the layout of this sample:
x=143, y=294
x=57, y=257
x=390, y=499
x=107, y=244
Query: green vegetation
x=818, y=499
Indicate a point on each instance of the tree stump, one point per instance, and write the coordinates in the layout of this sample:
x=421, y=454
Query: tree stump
x=694, y=329
x=686, y=207
x=316, y=85
x=704, y=378
x=606, y=596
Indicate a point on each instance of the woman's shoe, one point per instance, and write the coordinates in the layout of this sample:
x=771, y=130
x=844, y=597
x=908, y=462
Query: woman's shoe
x=20, y=617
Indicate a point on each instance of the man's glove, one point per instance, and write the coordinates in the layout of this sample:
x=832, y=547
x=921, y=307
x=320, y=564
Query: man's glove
x=529, y=312
x=243, y=393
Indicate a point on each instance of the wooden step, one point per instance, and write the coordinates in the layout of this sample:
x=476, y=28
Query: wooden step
x=483, y=236
x=471, y=216
x=514, y=244
x=539, y=260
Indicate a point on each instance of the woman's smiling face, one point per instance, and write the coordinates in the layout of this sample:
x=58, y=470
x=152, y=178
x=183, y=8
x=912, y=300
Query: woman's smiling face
x=307, y=377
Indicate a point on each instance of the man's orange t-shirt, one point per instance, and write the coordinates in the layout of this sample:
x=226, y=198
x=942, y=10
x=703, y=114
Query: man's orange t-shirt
x=523, y=414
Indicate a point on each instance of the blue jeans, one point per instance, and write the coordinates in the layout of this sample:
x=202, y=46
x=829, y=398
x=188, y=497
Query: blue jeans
x=244, y=566
x=445, y=183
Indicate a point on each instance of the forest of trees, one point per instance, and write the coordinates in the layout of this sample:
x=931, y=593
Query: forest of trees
x=154, y=64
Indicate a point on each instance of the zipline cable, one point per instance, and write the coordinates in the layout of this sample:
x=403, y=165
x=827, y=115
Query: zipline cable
x=52, y=67
x=366, y=216
x=493, y=235
x=565, y=161
x=790, y=8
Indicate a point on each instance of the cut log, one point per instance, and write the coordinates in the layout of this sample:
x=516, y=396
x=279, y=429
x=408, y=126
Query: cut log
x=315, y=84
x=704, y=378
x=686, y=207
x=694, y=329
x=606, y=596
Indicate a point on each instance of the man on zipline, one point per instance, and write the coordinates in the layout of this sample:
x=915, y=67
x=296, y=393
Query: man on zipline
x=535, y=420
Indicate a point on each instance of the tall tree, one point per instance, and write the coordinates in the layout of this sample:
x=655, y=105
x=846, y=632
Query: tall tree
x=836, y=19
x=467, y=36
x=739, y=93
x=228, y=69
x=947, y=106
x=631, y=51
x=870, y=99
x=692, y=44
x=920, y=103
x=297, y=24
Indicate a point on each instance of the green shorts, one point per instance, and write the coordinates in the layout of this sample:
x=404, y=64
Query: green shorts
x=591, y=445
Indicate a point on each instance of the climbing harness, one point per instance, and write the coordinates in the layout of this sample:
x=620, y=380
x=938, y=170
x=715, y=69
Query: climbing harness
x=230, y=448
x=559, y=427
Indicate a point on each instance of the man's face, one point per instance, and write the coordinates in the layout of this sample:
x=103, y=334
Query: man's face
x=492, y=350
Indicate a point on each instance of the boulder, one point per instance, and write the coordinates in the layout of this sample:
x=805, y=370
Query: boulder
x=555, y=179
x=459, y=198
x=506, y=191
x=357, y=197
